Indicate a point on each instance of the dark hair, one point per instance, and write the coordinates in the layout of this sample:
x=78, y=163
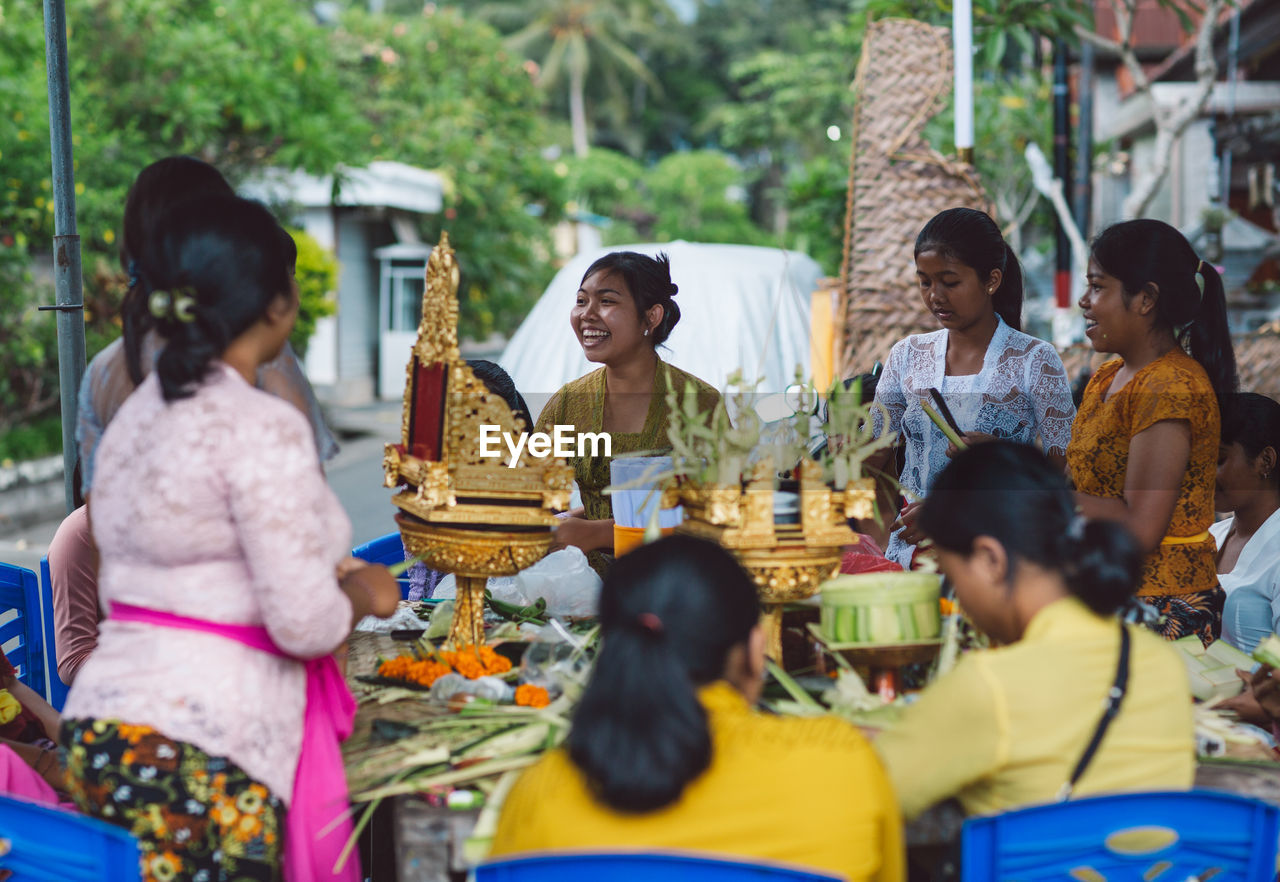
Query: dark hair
x=972, y=237
x=1149, y=253
x=670, y=612
x=1253, y=421
x=233, y=258
x=1012, y=493
x=499, y=382
x=158, y=188
x=649, y=281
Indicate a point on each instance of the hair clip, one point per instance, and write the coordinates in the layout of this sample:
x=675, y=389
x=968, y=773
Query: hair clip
x=184, y=305
x=160, y=304
x=649, y=622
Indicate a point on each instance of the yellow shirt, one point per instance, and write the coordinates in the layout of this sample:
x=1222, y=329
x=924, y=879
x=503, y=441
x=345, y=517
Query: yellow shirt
x=1007, y=726
x=808, y=792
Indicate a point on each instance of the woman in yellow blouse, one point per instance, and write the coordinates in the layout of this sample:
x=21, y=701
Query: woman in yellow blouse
x=1144, y=446
x=1009, y=727
x=624, y=310
x=666, y=752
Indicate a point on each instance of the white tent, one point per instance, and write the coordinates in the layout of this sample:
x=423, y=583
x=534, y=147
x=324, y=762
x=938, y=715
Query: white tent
x=741, y=306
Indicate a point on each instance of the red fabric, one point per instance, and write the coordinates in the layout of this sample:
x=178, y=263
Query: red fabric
x=866, y=557
x=427, y=421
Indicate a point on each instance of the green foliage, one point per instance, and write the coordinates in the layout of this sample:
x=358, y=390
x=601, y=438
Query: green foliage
x=692, y=195
x=317, y=276
x=816, y=192
x=28, y=341
x=604, y=181
x=584, y=53
x=42, y=437
x=440, y=91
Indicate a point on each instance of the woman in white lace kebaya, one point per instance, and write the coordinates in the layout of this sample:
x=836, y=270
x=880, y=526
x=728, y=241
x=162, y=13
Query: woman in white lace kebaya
x=997, y=381
x=222, y=566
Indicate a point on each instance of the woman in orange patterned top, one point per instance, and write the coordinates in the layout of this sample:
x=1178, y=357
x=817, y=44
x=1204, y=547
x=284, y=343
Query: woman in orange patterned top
x=1144, y=445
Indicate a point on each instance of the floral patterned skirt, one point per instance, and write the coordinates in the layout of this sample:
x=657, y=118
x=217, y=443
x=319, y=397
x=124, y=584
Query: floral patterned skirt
x=1198, y=613
x=198, y=818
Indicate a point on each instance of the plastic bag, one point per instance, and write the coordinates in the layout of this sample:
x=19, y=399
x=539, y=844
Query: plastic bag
x=402, y=619
x=490, y=688
x=563, y=578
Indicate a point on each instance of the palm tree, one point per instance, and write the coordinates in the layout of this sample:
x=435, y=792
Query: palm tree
x=575, y=35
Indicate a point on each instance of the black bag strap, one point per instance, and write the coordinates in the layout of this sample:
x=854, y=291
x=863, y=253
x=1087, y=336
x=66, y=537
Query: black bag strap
x=1112, y=707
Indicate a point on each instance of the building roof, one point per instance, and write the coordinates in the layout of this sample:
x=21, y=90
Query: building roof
x=380, y=184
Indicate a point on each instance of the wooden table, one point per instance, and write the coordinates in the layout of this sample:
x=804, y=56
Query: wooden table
x=411, y=840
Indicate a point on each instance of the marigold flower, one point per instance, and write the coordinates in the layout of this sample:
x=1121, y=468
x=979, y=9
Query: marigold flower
x=528, y=695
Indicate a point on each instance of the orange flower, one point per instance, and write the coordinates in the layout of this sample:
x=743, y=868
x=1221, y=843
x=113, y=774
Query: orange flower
x=248, y=828
x=131, y=733
x=528, y=695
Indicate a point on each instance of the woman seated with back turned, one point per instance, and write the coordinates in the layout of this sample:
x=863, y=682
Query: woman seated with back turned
x=1010, y=726
x=625, y=309
x=666, y=752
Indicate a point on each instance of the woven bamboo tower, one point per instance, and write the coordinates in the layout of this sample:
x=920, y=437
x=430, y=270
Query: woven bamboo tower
x=897, y=181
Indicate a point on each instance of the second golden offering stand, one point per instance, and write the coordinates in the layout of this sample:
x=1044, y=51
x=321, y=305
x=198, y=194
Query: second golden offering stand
x=462, y=512
x=787, y=561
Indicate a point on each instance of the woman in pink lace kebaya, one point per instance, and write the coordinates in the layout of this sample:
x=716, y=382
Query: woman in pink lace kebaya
x=222, y=564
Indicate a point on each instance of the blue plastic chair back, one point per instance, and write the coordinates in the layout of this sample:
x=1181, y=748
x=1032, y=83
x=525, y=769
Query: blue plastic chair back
x=21, y=635
x=57, y=693
x=637, y=868
x=1171, y=836
x=42, y=844
x=385, y=550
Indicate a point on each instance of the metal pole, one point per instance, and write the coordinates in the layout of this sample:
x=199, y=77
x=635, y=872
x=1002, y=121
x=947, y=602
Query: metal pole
x=962, y=41
x=1062, y=168
x=1083, y=196
x=1233, y=71
x=66, y=241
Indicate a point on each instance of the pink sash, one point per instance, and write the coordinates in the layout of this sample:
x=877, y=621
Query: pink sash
x=317, y=825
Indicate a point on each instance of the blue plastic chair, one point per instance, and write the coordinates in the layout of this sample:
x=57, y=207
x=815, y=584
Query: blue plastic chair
x=21, y=636
x=42, y=844
x=637, y=868
x=1171, y=836
x=56, y=694
x=385, y=550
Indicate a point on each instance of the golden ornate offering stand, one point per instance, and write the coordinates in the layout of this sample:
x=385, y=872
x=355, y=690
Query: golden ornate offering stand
x=787, y=561
x=460, y=512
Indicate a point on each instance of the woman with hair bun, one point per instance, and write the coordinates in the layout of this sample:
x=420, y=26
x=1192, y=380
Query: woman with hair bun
x=1145, y=444
x=225, y=572
x=666, y=751
x=113, y=374
x=625, y=309
x=1016, y=725
x=997, y=381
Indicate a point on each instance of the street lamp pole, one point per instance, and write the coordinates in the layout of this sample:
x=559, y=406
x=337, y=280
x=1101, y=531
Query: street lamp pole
x=69, y=302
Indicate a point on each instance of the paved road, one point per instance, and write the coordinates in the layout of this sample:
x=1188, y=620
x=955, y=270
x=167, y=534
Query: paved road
x=355, y=476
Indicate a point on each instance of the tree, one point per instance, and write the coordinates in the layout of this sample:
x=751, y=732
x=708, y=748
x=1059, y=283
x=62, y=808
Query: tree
x=1170, y=122
x=698, y=195
x=440, y=91
x=575, y=36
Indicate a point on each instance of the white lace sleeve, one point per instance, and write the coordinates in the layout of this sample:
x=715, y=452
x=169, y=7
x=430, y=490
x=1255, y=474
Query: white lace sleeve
x=88, y=429
x=890, y=392
x=1050, y=393
x=279, y=502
